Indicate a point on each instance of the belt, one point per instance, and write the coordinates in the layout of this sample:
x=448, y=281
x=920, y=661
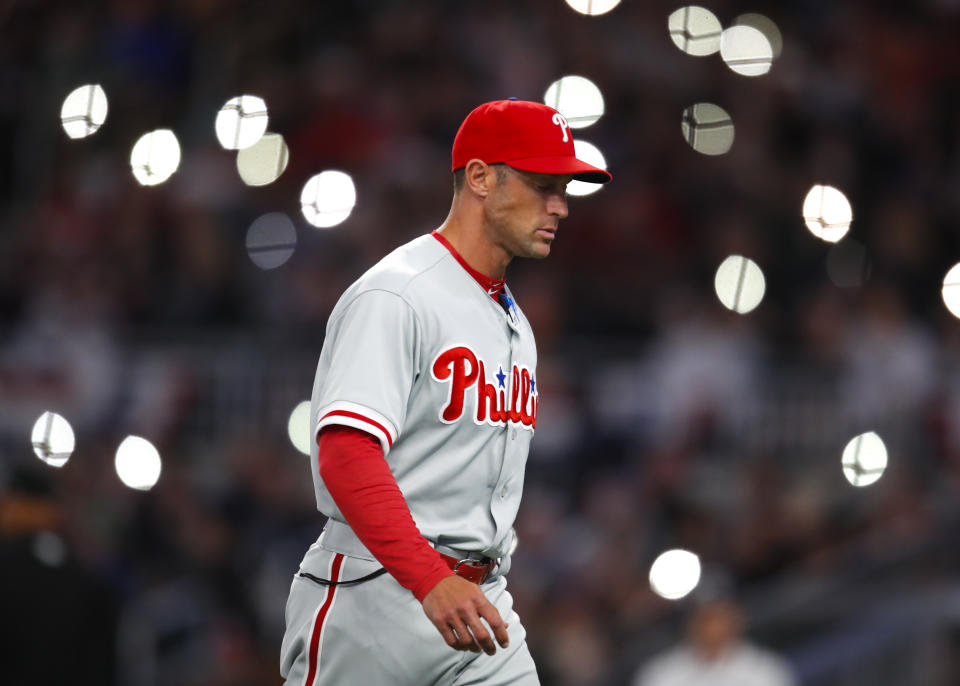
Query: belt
x=340, y=538
x=470, y=569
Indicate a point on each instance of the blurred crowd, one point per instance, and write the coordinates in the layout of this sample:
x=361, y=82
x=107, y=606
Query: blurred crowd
x=666, y=421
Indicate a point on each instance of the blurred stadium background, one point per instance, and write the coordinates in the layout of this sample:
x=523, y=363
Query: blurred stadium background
x=667, y=420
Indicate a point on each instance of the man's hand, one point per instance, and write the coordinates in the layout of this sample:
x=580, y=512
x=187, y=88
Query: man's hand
x=455, y=607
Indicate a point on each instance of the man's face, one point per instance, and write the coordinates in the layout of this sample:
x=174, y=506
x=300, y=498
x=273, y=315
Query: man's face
x=524, y=209
x=714, y=628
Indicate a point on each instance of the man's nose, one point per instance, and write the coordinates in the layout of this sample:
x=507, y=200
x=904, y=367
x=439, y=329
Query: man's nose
x=557, y=205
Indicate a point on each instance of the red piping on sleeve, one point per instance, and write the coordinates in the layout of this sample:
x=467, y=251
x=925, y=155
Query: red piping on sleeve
x=355, y=415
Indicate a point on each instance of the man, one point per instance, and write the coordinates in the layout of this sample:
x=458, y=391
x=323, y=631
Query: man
x=716, y=652
x=424, y=403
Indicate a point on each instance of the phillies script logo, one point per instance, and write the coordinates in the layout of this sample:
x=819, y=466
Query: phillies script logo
x=461, y=368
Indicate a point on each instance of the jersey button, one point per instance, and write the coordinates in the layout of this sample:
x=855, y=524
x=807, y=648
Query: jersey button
x=513, y=435
x=503, y=492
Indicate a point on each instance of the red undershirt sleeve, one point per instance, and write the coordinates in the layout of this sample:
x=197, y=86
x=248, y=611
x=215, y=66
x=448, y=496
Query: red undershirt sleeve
x=363, y=487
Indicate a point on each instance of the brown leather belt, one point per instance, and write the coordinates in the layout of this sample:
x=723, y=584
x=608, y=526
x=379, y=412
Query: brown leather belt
x=476, y=571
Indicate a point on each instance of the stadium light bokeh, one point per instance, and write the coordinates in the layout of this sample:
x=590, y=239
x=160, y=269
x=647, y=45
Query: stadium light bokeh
x=707, y=128
x=137, y=463
x=271, y=240
x=739, y=284
x=864, y=459
x=53, y=439
x=675, y=573
x=84, y=111
x=764, y=25
x=49, y=548
x=950, y=292
x=263, y=162
x=328, y=198
x=155, y=157
x=695, y=30
x=241, y=122
x=591, y=154
x=827, y=213
x=577, y=98
x=593, y=7
x=746, y=50
x=298, y=427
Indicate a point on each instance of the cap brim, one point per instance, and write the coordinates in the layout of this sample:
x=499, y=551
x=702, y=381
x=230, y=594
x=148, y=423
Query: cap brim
x=562, y=165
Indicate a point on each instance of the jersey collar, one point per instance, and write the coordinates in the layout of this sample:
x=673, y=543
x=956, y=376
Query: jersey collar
x=493, y=287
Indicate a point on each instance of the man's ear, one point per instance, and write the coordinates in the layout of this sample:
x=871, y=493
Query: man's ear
x=479, y=177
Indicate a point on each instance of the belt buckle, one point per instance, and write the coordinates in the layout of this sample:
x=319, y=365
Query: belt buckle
x=486, y=566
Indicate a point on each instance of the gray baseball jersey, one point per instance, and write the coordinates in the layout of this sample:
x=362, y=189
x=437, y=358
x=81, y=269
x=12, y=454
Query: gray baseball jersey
x=420, y=356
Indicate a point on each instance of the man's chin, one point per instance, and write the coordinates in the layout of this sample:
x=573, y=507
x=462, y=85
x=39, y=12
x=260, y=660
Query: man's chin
x=539, y=250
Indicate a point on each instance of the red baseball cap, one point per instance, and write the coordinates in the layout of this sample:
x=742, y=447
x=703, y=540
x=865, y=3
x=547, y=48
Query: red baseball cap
x=525, y=135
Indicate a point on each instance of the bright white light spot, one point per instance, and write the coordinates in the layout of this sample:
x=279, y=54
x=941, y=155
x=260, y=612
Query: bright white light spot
x=593, y=7
x=241, y=122
x=328, y=198
x=590, y=154
x=827, y=213
x=137, y=463
x=675, y=573
x=577, y=98
x=707, y=128
x=298, y=427
x=951, y=290
x=155, y=157
x=695, y=30
x=746, y=50
x=271, y=240
x=52, y=439
x=84, y=111
x=764, y=25
x=264, y=161
x=739, y=284
x=864, y=459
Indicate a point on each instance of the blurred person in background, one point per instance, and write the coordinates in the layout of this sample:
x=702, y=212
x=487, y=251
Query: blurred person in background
x=59, y=618
x=715, y=652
